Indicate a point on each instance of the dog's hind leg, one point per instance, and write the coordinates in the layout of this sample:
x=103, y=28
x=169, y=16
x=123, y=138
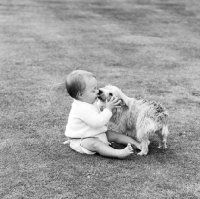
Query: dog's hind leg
x=159, y=133
x=162, y=134
x=165, y=133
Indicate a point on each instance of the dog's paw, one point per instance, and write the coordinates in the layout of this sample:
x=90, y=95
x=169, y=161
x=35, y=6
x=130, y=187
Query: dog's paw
x=162, y=147
x=141, y=153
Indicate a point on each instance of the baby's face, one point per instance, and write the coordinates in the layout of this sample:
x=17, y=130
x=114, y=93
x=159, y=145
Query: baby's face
x=89, y=95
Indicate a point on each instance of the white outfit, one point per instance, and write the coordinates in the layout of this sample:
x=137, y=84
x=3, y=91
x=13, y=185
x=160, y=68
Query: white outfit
x=86, y=120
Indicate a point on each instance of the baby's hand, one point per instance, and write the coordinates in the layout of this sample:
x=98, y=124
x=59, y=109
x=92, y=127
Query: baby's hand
x=112, y=103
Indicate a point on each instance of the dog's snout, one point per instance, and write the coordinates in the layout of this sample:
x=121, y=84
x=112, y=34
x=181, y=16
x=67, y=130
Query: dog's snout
x=100, y=92
x=110, y=94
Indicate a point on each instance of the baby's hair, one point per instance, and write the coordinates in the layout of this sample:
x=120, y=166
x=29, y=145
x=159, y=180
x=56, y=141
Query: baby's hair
x=75, y=82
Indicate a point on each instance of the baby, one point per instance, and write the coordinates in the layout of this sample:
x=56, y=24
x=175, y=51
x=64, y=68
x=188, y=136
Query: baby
x=86, y=128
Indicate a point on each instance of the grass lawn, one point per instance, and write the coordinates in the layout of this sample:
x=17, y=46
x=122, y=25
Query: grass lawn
x=148, y=48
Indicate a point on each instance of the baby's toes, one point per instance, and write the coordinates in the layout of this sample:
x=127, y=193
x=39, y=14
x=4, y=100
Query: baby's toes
x=130, y=147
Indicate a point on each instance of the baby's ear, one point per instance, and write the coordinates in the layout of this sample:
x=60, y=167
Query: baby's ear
x=79, y=95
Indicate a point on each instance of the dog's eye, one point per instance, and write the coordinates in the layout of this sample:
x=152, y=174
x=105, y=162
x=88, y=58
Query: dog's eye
x=110, y=94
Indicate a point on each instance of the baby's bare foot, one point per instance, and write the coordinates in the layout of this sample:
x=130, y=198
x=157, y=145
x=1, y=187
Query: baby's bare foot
x=126, y=151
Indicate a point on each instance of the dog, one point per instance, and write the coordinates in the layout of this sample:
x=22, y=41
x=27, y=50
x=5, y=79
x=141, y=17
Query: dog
x=137, y=118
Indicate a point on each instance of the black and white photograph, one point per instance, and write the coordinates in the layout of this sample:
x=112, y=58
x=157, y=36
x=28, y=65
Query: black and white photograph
x=99, y=99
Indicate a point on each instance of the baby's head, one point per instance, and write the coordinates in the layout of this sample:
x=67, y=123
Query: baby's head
x=82, y=85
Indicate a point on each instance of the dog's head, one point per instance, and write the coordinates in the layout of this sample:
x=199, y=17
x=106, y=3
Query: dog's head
x=106, y=93
x=109, y=91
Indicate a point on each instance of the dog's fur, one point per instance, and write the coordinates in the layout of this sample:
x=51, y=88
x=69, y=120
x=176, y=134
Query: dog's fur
x=138, y=118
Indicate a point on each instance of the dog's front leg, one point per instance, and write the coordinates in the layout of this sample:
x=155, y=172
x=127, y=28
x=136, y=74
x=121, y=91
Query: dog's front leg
x=145, y=147
x=144, y=144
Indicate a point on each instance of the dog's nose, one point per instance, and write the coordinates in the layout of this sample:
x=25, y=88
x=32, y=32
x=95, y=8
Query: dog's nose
x=100, y=92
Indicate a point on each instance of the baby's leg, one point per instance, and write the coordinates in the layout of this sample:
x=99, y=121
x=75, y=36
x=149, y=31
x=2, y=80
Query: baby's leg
x=96, y=145
x=121, y=139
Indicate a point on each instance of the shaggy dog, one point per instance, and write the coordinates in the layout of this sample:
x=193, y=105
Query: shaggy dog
x=138, y=118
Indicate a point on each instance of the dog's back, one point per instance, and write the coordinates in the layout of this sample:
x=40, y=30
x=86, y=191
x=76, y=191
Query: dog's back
x=152, y=110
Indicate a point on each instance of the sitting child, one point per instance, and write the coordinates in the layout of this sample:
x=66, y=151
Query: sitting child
x=86, y=128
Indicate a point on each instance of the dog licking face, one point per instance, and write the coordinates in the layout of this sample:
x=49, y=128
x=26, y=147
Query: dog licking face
x=137, y=118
